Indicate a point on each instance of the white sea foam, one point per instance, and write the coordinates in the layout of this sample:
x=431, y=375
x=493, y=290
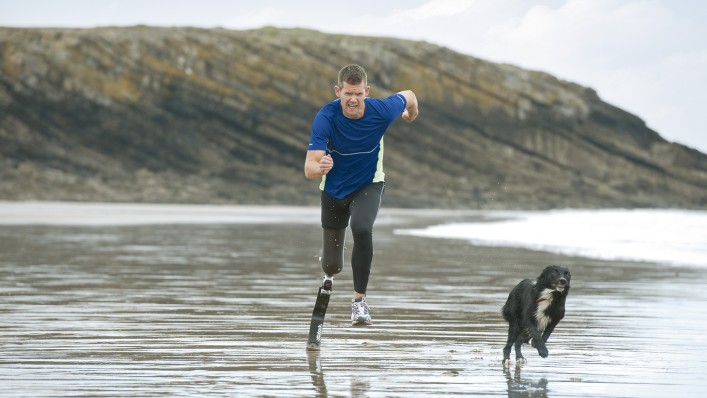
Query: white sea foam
x=677, y=237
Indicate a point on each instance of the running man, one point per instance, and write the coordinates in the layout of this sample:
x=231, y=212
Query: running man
x=346, y=153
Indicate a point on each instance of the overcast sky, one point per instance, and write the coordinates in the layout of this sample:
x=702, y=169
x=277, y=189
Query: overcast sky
x=648, y=57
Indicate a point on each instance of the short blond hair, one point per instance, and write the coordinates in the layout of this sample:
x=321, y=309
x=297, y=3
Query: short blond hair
x=352, y=74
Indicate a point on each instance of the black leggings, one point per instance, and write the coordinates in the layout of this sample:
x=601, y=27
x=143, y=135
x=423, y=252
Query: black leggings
x=361, y=208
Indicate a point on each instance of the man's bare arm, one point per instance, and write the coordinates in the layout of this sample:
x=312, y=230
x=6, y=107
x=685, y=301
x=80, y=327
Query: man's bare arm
x=317, y=164
x=411, y=109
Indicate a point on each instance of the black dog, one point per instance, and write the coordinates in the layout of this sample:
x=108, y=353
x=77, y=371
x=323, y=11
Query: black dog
x=533, y=309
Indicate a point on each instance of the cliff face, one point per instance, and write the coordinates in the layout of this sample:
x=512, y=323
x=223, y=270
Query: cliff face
x=217, y=116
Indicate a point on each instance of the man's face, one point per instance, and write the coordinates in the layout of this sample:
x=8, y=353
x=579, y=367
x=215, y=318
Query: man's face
x=352, y=96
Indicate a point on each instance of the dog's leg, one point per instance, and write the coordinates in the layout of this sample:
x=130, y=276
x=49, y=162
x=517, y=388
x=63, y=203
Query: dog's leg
x=548, y=331
x=540, y=345
x=520, y=359
x=509, y=343
x=537, y=338
x=545, y=336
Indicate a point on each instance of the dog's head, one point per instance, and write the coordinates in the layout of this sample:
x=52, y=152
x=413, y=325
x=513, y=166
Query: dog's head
x=555, y=278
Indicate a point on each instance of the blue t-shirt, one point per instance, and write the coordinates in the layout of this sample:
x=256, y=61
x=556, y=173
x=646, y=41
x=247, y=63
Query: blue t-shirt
x=355, y=145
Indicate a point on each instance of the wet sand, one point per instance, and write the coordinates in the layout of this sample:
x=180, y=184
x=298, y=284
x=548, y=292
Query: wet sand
x=223, y=310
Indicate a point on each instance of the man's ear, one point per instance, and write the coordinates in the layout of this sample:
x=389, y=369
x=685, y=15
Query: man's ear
x=337, y=91
x=368, y=90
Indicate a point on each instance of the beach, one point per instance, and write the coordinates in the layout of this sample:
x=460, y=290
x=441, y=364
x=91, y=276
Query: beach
x=205, y=307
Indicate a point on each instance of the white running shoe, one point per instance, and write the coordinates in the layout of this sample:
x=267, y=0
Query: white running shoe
x=359, y=313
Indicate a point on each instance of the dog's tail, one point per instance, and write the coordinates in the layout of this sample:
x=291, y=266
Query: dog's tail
x=506, y=312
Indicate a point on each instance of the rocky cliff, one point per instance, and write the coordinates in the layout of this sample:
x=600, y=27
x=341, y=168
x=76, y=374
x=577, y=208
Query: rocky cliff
x=148, y=114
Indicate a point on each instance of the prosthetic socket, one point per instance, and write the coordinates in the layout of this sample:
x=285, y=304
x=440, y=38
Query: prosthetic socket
x=333, y=251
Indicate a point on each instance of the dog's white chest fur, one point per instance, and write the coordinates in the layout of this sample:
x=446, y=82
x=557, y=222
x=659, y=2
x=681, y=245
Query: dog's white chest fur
x=544, y=301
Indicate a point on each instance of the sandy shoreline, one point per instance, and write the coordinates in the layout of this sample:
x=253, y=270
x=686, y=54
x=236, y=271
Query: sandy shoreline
x=198, y=309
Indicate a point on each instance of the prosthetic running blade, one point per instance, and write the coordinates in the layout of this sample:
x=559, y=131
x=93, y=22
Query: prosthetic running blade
x=320, y=307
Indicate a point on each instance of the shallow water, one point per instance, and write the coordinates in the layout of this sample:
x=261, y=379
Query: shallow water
x=223, y=309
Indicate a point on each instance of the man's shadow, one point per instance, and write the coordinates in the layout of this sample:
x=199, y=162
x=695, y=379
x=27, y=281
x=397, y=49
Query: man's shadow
x=520, y=387
x=316, y=373
x=358, y=387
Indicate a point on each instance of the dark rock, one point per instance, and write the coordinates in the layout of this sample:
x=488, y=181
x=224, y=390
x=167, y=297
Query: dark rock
x=147, y=114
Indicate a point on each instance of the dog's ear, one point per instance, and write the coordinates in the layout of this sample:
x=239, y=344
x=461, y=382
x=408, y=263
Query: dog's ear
x=547, y=271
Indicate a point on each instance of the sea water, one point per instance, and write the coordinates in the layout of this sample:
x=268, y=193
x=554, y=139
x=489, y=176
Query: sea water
x=672, y=236
x=666, y=236
x=185, y=300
